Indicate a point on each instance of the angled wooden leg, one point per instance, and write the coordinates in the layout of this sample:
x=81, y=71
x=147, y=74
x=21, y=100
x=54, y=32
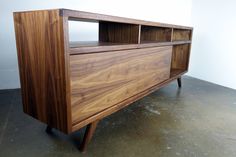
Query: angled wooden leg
x=88, y=135
x=179, y=82
x=48, y=129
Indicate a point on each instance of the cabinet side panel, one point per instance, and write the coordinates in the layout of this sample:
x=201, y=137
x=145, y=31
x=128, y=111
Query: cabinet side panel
x=41, y=57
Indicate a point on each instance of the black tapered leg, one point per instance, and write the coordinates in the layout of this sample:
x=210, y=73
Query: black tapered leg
x=179, y=82
x=49, y=129
x=88, y=135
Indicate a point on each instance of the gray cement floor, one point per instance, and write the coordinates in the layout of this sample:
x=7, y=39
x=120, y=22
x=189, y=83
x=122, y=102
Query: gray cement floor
x=196, y=121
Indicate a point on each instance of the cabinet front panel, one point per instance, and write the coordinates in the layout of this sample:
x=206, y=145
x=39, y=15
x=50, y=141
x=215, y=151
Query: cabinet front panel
x=101, y=80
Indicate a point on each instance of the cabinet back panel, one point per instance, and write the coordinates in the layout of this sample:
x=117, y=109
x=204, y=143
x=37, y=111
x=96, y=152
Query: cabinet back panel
x=181, y=35
x=101, y=80
x=180, y=57
x=155, y=34
x=118, y=32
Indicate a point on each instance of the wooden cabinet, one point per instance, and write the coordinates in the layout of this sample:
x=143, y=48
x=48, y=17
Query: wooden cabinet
x=69, y=85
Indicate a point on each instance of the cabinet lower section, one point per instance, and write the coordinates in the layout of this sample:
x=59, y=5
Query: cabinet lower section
x=102, y=80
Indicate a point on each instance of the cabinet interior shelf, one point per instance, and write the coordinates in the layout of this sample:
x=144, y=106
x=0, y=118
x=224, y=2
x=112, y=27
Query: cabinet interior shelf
x=176, y=72
x=76, y=44
x=77, y=47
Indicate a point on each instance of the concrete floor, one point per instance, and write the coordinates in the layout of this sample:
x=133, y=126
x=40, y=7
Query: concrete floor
x=196, y=121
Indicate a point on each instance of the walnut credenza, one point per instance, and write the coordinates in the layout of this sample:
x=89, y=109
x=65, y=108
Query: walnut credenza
x=69, y=85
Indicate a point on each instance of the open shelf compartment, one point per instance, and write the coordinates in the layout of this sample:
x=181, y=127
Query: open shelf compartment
x=152, y=34
x=105, y=34
x=118, y=32
x=181, y=35
x=180, y=58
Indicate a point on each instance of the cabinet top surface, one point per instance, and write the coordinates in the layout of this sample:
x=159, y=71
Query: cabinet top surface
x=94, y=17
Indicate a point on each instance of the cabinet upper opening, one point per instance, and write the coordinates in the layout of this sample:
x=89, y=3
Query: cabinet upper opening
x=101, y=33
x=181, y=35
x=150, y=34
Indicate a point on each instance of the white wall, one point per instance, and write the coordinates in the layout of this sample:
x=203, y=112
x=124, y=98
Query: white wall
x=168, y=11
x=213, y=56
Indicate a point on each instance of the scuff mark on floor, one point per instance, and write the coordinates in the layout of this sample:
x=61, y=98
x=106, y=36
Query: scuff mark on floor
x=152, y=110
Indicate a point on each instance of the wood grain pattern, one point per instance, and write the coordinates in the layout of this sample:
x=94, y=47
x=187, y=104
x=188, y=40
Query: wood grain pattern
x=118, y=32
x=90, y=129
x=181, y=35
x=155, y=34
x=42, y=64
x=101, y=80
x=127, y=102
x=180, y=57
